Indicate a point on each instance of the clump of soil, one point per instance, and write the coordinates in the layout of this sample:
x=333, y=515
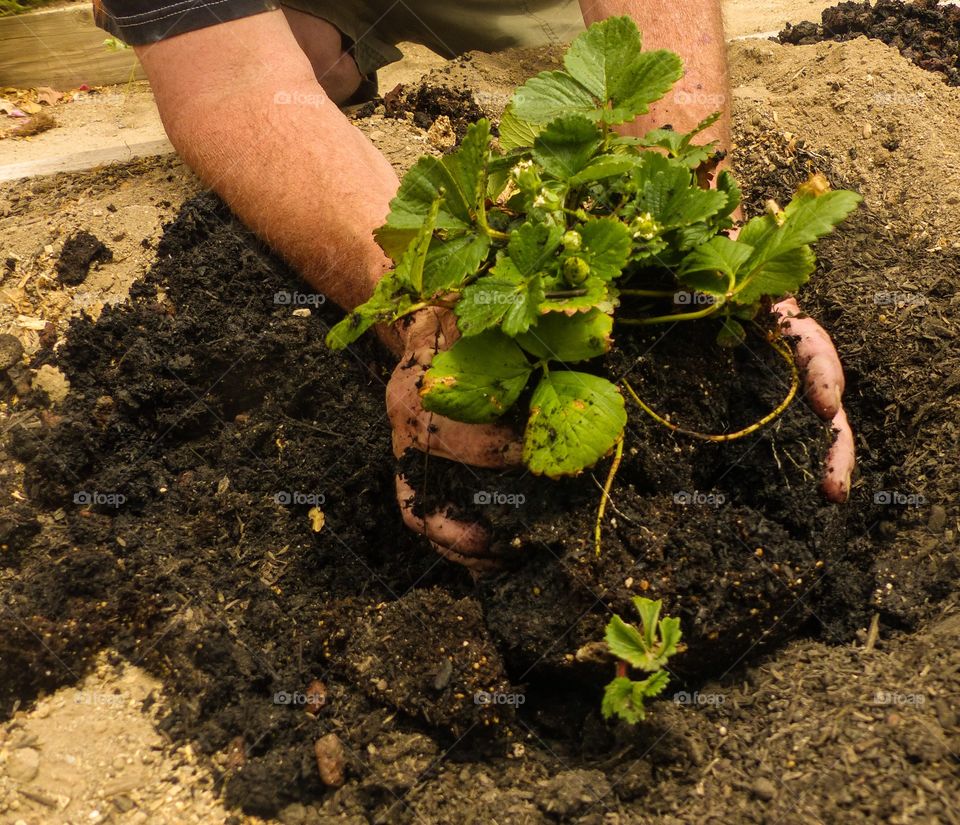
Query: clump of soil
x=427, y=103
x=925, y=32
x=79, y=253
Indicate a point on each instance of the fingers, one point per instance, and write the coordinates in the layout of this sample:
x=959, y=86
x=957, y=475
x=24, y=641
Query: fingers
x=492, y=446
x=817, y=358
x=841, y=460
x=461, y=542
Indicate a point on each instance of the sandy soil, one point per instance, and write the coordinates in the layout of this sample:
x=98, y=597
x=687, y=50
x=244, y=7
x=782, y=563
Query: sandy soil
x=83, y=755
x=57, y=767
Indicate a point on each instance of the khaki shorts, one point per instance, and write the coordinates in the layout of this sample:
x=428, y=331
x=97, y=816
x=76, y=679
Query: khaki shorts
x=448, y=27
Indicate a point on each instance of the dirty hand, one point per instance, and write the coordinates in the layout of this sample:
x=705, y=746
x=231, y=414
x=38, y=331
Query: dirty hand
x=824, y=383
x=481, y=445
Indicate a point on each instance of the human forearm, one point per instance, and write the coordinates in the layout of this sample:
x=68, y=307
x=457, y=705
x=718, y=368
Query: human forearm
x=261, y=132
x=301, y=177
x=694, y=30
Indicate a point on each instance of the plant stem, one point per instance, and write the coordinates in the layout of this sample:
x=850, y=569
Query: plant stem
x=669, y=319
x=482, y=222
x=649, y=293
x=566, y=293
x=784, y=353
x=608, y=485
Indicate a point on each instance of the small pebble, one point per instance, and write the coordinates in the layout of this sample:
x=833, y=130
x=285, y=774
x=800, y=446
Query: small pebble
x=330, y=760
x=763, y=789
x=11, y=351
x=23, y=765
x=938, y=519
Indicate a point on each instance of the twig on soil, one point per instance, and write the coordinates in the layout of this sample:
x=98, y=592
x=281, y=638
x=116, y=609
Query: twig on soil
x=872, y=634
x=617, y=458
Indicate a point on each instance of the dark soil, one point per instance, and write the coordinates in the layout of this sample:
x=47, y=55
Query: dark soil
x=426, y=103
x=79, y=253
x=168, y=518
x=926, y=32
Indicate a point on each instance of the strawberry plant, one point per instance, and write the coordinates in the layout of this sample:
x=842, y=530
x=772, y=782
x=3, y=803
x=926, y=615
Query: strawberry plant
x=540, y=241
x=646, y=649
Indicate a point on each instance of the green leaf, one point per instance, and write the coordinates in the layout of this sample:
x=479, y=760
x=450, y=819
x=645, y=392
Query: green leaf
x=348, y=329
x=665, y=189
x=575, y=419
x=782, y=260
x=512, y=293
x=460, y=178
x=499, y=172
x=673, y=141
x=649, y=612
x=650, y=647
x=727, y=184
x=619, y=701
x=389, y=300
x=709, y=267
x=516, y=133
x=731, y=334
x=566, y=146
x=703, y=125
x=719, y=254
x=477, y=379
x=627, y=643
x=603, y=167
x=428, y=180
x=506, y=298
x=593, y=293
x=670, y=635
x=532, y=246
x=449, y=262
x=550, y=95
x=624, y=698
x=468, y=164
x=569, y=339
x=807, y=218
x=607, y=61
x=785, y=273
x=606, y=247
x=607, y=78
x=680, y=145
x=647, y=79
x=598, y=57
x=409, y=270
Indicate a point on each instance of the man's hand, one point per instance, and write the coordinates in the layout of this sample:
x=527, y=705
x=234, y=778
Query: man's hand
x=490, y=446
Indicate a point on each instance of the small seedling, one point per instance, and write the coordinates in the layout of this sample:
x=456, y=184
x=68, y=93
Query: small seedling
x=647, y=650
x=537, y=243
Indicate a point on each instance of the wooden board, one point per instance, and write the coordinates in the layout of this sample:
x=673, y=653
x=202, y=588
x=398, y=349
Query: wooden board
x=62, y=48
x=84, y=160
